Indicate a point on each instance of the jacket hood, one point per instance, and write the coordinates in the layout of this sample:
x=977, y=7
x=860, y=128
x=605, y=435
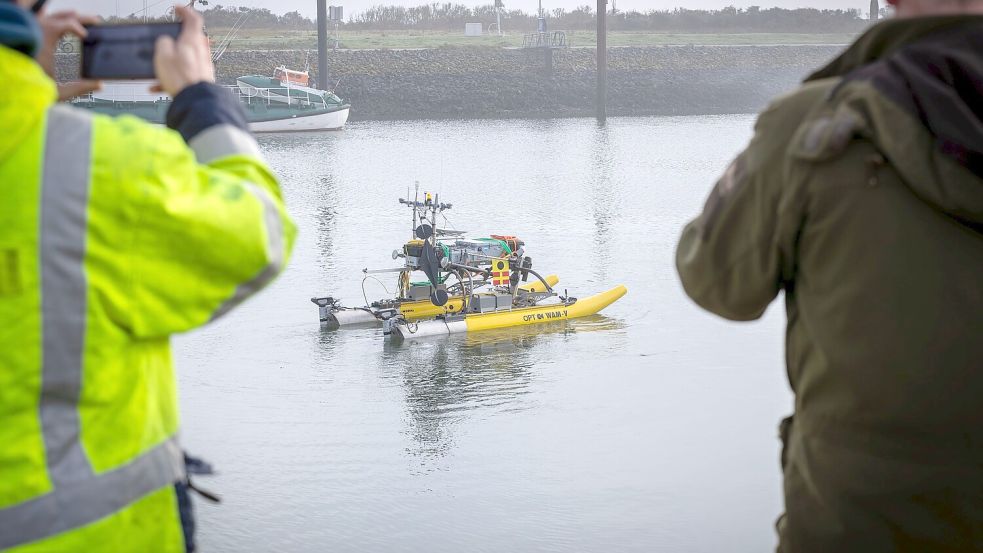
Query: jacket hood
x=19, y=29
x=25, y=96
x=914, y=87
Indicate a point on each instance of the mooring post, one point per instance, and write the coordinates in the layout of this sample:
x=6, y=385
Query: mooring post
x=322, y=44
x=602, y=60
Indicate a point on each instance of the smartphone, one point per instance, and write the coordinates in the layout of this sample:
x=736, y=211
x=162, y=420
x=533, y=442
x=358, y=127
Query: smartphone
x=123, y=51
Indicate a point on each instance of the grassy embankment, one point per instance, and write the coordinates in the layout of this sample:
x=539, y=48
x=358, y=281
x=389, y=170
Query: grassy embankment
x=259, y=39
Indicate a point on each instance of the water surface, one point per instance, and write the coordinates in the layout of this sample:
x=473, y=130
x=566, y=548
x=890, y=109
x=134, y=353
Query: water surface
x=649, y=428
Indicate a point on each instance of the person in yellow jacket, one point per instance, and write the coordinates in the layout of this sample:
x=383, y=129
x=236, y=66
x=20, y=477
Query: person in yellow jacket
x=114, y=234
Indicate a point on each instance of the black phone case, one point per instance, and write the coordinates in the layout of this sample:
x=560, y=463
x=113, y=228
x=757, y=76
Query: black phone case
x=123, y=51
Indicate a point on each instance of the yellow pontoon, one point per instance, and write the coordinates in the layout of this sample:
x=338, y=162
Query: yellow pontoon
x=473, y=322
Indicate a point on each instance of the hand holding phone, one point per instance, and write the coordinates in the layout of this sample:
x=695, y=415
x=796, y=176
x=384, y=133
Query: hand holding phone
x=176, y=54
x=55, y=26
x=187, y=60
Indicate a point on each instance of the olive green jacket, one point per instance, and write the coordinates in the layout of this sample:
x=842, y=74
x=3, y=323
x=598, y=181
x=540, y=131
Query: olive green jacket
x=861, y=196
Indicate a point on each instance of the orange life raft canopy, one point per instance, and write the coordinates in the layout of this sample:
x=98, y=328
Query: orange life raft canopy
x=302, y=78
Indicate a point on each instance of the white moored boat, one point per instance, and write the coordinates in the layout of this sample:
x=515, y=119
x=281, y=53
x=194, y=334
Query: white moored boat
x=272, y=104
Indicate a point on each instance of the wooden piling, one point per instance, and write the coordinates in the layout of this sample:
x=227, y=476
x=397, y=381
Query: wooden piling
x=602, y=60
x=322, y=44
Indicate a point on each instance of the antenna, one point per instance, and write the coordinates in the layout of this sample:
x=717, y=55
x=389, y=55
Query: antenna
x=416, y=199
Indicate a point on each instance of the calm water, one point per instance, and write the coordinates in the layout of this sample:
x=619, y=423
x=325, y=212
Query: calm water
x=650, y=428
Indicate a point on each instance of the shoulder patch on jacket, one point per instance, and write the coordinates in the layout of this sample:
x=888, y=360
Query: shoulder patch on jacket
x=827, y=135
x=734, y=177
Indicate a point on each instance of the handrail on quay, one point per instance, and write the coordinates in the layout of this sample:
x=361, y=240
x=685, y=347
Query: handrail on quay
x=550, y=39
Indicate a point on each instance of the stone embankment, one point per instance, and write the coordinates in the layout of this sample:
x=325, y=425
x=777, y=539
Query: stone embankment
x=501, y=83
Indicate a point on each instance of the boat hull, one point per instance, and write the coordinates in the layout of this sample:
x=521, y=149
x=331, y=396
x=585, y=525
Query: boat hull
x=349, y=317
x=327, y=121
x=476, y=322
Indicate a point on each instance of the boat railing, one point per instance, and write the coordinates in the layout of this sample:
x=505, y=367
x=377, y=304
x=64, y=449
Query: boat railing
x=122, y=96
x=279, y=95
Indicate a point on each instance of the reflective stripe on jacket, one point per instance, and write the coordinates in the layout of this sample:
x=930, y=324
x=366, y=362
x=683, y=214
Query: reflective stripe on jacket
x=114, y=234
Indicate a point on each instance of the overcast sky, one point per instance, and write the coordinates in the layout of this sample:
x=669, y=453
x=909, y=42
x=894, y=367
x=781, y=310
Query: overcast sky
x=308, y=7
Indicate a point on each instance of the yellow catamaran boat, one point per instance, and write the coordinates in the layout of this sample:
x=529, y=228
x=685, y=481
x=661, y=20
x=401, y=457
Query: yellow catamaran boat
x=472, y=285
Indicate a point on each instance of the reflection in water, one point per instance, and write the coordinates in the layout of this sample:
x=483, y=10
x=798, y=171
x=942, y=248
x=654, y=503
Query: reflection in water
x=325, y=348
x=603, y=197
x=325, y=216
x=316, y=178
x=447, y=380
x=326, y=343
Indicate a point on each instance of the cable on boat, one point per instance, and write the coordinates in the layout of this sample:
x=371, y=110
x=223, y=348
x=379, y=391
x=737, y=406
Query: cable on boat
x=366, y=296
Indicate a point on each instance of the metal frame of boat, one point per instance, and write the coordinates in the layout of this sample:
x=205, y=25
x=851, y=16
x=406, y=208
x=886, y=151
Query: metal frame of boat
x=333, y=314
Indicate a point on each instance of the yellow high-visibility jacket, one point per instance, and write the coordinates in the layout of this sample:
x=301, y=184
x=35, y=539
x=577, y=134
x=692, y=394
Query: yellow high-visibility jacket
x=114, y=234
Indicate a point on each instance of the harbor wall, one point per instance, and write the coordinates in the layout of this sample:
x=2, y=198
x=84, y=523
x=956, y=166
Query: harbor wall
x=500, y=83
